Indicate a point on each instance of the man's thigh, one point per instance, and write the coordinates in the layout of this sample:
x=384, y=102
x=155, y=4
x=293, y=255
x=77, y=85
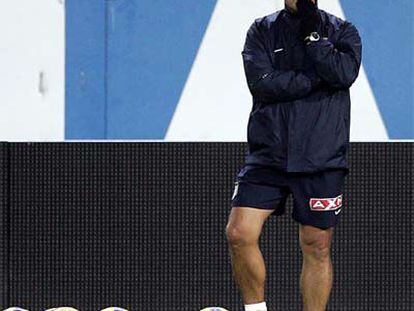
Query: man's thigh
x=261, y=188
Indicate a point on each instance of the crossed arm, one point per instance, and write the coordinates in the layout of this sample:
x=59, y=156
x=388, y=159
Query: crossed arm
x=337, y=65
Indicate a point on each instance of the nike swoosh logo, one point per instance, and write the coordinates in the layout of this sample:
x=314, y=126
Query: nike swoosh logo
x=278, y=50
x=338, y=211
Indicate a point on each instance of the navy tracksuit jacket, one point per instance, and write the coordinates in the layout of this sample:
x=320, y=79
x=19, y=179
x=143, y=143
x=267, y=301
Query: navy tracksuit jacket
x=300, y=120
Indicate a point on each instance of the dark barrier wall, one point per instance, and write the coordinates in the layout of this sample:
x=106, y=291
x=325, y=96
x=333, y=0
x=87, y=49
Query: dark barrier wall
x=141, y=226
x=4, y=227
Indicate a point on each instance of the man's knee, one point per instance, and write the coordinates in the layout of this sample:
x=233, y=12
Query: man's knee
x=239, y=235
x=245, y=225
x=316, y=244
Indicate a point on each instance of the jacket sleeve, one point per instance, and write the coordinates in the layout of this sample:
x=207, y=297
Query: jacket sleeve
x=338, y=65
x=264, y=81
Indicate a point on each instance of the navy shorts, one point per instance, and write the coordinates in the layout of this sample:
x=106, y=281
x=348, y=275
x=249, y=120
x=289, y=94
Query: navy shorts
x=317, y=197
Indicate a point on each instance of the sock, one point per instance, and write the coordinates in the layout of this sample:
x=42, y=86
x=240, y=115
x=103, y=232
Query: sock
x=256, y=307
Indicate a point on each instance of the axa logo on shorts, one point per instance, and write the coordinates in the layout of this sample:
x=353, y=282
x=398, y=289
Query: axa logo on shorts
x=325, y=204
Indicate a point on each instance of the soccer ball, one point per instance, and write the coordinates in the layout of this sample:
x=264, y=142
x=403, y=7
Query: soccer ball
x=15, y=309
x=214, y=309
x=114, y=309
x=62, y=309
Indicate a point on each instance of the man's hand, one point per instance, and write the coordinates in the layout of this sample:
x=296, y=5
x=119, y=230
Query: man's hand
x=310, y=20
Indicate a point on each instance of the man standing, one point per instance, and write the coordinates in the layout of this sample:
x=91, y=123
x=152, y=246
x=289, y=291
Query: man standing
x=300, y=63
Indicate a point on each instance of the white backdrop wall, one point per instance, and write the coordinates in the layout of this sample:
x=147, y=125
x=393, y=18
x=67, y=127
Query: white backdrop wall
x=32, y=70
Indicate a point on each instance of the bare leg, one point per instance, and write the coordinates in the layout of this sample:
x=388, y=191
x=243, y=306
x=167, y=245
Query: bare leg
x=243, y=232
x=317, y=272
